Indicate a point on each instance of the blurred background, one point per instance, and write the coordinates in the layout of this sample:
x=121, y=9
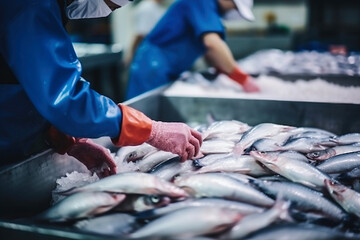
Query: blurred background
x=333, y=26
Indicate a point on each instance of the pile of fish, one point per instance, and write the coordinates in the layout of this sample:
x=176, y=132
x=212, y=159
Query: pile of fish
x=267, y=181
x=304, y=62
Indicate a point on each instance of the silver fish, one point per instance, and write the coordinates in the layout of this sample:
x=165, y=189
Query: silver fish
x=346, y=139
x=133, y=153
x=133, y=182
x=340, y=163
x=238, y=164
x=217, y=146
x=169, y=169
x=148, y=162
x=254, y=222
x=220, y=185
x=115, y=224
x=220, y=128
x=346, y=197
x=243, y=208
x=304, y=198
x=306, y=145
x=139, y=203
x=300, y=232
x=330, y=152
x=182, y=223
x=293, y=169
x=81, y=205
x=259, y=131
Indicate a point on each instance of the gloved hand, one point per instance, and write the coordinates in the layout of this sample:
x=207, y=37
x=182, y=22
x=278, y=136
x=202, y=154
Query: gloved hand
x=244, y=80
x=95, y=157
x=178, y=138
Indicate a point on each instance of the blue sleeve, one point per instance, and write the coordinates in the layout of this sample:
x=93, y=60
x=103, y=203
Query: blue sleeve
x=40, y=54
x=204, y=17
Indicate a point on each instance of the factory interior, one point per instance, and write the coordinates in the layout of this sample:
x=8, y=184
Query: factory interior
x=203, y=154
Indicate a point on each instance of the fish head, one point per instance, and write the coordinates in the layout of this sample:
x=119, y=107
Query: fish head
x=335, y=189
x=147, y=202
x=269, y=159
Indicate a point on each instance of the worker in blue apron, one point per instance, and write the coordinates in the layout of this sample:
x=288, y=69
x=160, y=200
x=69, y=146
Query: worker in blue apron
x=44, y=101
x=189, y=29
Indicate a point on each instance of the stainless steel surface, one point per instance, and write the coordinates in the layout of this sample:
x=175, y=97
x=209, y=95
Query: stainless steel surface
x=26, y=187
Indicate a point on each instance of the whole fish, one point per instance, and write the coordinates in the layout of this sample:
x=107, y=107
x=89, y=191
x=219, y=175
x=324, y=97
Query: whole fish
x=189, y=222
x=300, y=232
x=220, y=185
x=330, y=152
x=81, y=205
x=208, y=159
x=340, y=163
x=217, y=146
x=148, y=162
x=306, y=145
x=257, y=132
x=132, y=182
x=293, y=169
x=347, y=139
x=254, y=222
x=309, y=132
x=238, y=164
x=346, y=197
x=169, y=169
x=133, y=153
x=351, y=175
x=264, y=145
x=115, y=224
x=218, y=129
x=303, y=197
x=243, y=208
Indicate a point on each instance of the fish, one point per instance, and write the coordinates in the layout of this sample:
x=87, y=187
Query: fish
x=169, y=169
x=295, y=231
x=347, y=139
x=292, y=169
x=330, y=152
x=254, y=222
x=301, y=197
x=257, y=132
x=238, y=164
x=306, y=145
x=347, y=198
x=220, y=185
x=189, y=222
x=139, y=203
x=81, y=205
x=147, y=163
x=133, y=153
x=217, y=146
x=340, y=163
x=241, y=207
x=132, y=182
x=218, y=129
x=114, y=224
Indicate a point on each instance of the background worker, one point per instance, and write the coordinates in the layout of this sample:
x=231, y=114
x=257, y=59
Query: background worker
x=44, y=101
x=189, y=29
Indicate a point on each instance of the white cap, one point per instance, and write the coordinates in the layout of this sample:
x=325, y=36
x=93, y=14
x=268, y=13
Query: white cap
x=121, y=3
x=245, y=9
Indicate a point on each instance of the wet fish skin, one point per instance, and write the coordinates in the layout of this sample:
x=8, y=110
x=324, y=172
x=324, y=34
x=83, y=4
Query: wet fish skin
x=346, y=197
x=220, y=185
x=135, y=183
x=259, y=131
x=346, y=139
x=243, y=208
x=115, y=224
x=330, y=152
x=81, y=205
x=300, y=232
x=217, y=146
x=139, y=203
x=169, y=169
x=306, y=145
x=133, y=153
x=340, y=163
x=189, y=222
x=221, y=128
x=148, y=162
x=304, y=198
x=254, y=222
x=293, y=169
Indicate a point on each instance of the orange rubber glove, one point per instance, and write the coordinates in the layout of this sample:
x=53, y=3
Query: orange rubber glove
x=178, y=138
x=92, y=155
x=244, y=80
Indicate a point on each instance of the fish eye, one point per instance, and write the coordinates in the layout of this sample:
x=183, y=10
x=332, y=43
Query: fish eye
x=155, y=199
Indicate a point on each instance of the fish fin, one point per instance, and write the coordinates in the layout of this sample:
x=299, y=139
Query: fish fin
x=68, y=191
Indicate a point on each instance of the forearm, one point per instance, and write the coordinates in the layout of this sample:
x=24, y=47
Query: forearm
x=218, y=53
